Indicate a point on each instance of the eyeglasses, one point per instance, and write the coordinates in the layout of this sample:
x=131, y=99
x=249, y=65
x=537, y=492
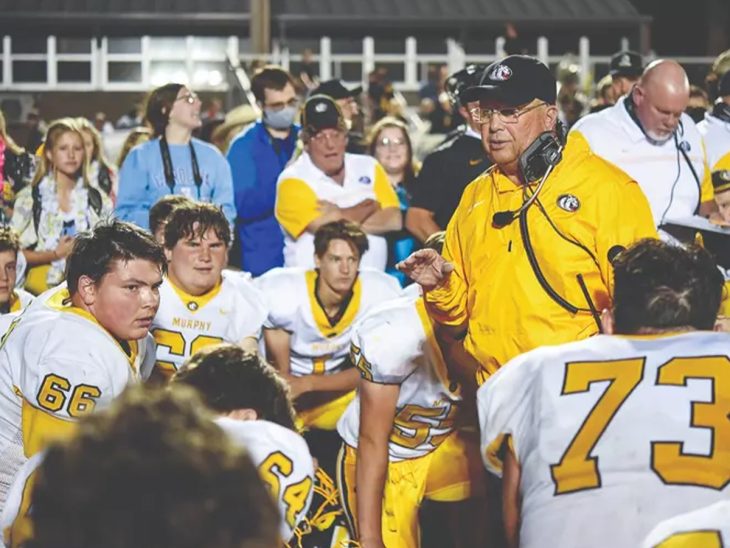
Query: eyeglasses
x=483, y=116
x=334, y=136
x=387, y=142
x=189, y=97
x=293, y=102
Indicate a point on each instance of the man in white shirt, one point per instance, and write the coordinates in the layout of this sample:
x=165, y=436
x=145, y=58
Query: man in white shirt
x=325, y=184
x=647, y=134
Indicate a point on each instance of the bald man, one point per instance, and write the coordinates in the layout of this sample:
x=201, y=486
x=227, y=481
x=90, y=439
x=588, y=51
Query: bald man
x=647, y=134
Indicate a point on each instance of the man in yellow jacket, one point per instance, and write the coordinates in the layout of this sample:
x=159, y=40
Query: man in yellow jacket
x=527, y=257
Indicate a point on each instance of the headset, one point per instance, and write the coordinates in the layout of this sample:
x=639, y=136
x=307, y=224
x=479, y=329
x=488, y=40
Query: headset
x=682, y=147
x=536, y=162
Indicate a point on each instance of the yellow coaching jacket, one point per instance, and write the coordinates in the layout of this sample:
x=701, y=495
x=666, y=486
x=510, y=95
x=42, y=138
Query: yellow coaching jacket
x=586, y=208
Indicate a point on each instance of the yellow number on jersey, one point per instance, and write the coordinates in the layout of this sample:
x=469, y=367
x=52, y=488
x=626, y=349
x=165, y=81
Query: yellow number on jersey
x=668, y=460
x=295, y=495
x=366, y=370
x=577, y=470
x=54, y=391
x=693, y=539
x=175, y=342
x=411, y=427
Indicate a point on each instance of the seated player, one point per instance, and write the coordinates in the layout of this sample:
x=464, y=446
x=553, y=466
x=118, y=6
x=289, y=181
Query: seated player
x=76, y=349
x=597, y=441
x=307, y=332
x=200, y=303
x=160, y=213
x=401, y=443
x=255, y=410
x=150, y=471
x=12, y=299
x=707, y=527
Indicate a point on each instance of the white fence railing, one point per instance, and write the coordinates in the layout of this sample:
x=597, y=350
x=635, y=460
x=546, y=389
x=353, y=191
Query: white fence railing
x=142, y=62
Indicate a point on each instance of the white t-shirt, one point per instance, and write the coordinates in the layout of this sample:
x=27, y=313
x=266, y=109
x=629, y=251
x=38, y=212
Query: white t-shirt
x=613, y=434
x=302, y=184
x=662, y=172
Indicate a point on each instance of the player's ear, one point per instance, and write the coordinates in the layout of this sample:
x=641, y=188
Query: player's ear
x=607, y=321
x=87, y=290
x=243, y=415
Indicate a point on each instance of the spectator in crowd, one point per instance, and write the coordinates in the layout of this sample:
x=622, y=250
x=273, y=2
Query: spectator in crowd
x=212, y=117
x=526, y=263
x=605, y=96
x=625, y=69
x=347, y=101
x=131, y=119
x=102, y=174
x=234, y=122
x=173, y=162
x=648, y=135
x=138, y=135
x=435, y=106
x=77, y=347
x=390, y=145
x=57, y=205
x=36, y=130
x=450, y=168
x=380, y=94
x=12, y=298
x=325, y=184
x=200, y=489
x=161, y=211
x=254, y=408
x=257, y=156
x=101, y=124
x=698, y=104
x=308, y=70
x=16, y=170
x=615, y=416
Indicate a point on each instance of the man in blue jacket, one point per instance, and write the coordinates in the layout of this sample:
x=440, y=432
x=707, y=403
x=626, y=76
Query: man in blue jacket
x=257, y=156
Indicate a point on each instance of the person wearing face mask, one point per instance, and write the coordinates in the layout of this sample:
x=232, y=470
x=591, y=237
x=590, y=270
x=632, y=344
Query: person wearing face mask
x=649, y=136
x=173, y=162
x=257, y=156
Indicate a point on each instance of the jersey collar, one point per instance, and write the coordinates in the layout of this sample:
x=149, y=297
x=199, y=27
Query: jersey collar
x=320, y=318
x=192, y=302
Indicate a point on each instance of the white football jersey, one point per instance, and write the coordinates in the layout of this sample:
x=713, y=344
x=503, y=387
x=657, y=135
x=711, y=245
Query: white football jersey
x=318, y=347
x=613, y=434
x=284, y=462
x=19, y=300
x=230, y=312
x=15, y=520
x=56, y=364
x=716, y=136
x=395, y=344
x=707, y=527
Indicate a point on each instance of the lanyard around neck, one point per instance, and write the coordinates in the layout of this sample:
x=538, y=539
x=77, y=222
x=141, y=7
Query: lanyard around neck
x=167, y=165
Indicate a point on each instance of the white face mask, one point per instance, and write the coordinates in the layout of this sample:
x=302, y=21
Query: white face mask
x=280, y=119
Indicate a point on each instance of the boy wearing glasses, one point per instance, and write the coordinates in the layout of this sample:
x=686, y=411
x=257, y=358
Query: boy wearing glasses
x=325, y=184
x=524, y=266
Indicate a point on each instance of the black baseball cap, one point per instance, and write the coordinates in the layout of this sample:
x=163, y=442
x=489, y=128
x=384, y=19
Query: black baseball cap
x=321, y=112
x=626, y=63
x=336, y=89
x=723, y=88
x=515, y=80
x=463, y=79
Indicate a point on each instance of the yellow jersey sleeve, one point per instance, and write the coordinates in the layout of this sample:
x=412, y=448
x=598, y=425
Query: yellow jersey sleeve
x=384, y=193
x=707, y=192
x=296, y=206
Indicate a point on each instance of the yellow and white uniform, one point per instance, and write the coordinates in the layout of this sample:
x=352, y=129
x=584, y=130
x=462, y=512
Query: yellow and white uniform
x=318, y=347
x=56, y=364
x=19, y=300
x=716, y=135
x=284, y=462
x=428, y=457
x=707, y=527
x=302, y=185
x=612, y=434
x=231, y=311
x=661, y=170
x=15, y=521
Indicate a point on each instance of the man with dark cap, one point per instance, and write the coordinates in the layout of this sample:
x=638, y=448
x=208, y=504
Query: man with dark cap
x=625, y=69
x=326, y=184
x=346, y=99
x=447, y=170
x=527, y=256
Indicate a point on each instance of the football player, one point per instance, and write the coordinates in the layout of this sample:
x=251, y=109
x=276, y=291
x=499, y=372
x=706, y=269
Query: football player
x=599, y=440
x=200, y=303
x=76, y=348
x=254, y=408
x=401, y=441
x=707, y=527
x=12, y=299
x=160, y=213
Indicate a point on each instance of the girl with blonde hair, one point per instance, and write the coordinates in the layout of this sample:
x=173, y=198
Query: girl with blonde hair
x=102, y=174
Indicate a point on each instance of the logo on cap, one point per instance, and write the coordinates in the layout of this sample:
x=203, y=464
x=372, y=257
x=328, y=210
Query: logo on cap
x=320, y=107
x=569, y=203
x=501, y=73
x=625, y=61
